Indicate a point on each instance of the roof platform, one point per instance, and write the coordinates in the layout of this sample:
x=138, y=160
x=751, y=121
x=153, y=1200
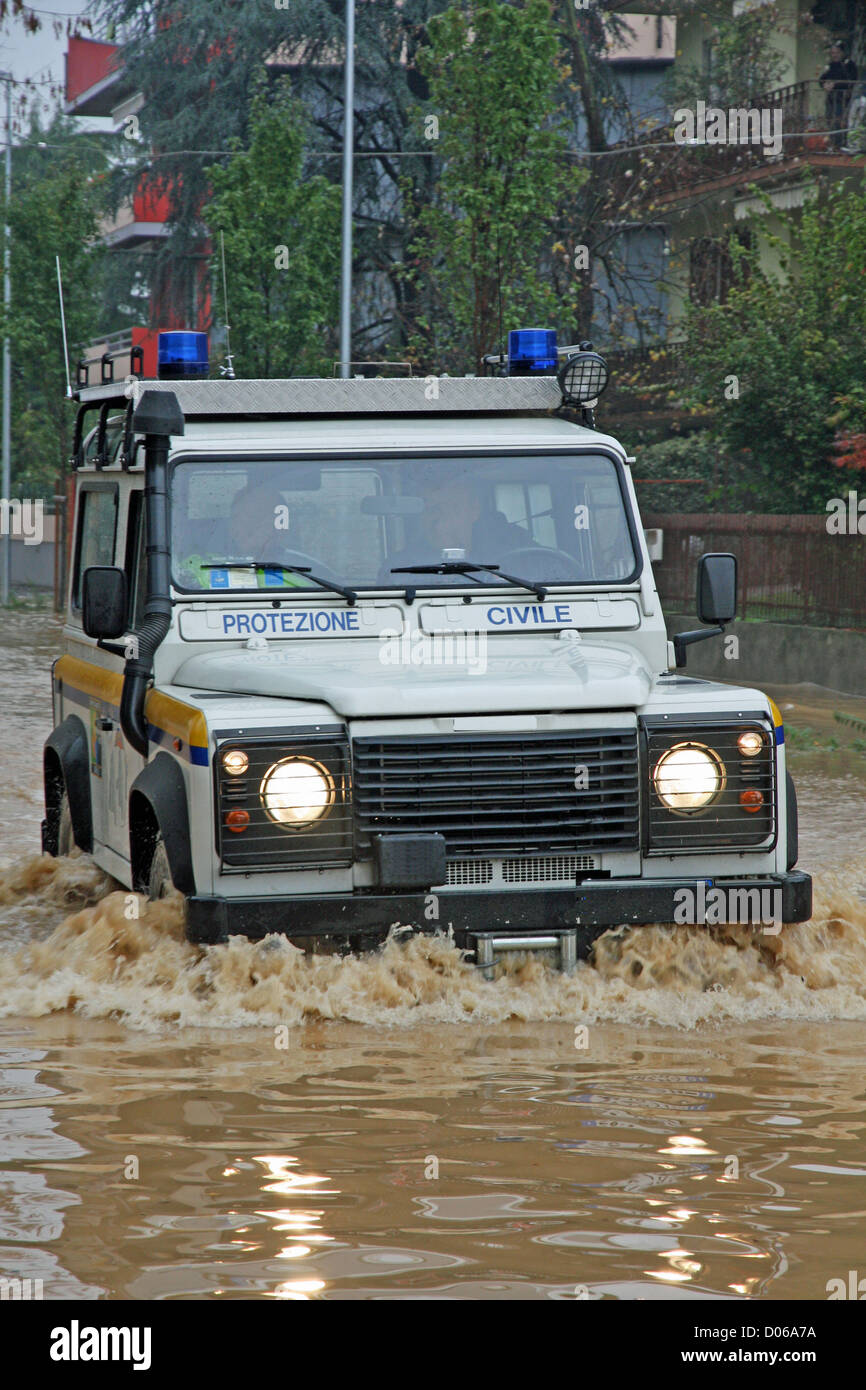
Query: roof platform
x=214, y=399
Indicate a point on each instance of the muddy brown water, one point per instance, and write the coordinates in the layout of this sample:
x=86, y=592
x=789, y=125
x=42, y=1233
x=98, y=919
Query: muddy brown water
x=683, y=1118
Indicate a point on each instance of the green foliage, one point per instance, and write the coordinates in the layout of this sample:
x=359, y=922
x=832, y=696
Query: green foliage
x=794, y=341
x=197, y=63
x=696, y=455
x=56, y=194
x=282, y=245
x=481, y=244
x=745, y=60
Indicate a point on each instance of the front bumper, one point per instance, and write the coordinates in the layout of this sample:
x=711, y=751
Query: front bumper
x=361, y=920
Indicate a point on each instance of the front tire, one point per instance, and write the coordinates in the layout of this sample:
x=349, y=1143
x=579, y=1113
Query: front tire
x=159, y=882
x=65, y=832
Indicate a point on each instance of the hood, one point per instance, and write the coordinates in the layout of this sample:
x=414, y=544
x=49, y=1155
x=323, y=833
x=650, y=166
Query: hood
x=357, y=684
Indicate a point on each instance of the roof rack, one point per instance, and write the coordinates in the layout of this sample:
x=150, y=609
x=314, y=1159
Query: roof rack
x=106, y=362
x=320, y=396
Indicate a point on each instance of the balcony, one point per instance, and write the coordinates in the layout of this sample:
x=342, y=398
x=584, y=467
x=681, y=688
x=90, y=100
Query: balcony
x=140, y=220
x=118, y=347
x=94, y=77
x=817, y=129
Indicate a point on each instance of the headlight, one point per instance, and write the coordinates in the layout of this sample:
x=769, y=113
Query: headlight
x=297, y=792
x=751, y=743
x=235, y=762
x=688, y=777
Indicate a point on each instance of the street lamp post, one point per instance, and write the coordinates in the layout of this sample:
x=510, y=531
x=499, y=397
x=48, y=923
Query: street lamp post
x=6, y=486
x=348, y=152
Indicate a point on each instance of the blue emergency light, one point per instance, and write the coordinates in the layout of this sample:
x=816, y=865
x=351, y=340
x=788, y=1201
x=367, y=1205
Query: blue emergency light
x=182, y=354
x=532, y=352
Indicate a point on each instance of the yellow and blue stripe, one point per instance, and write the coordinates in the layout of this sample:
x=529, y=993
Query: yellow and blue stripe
x=169, y=722
x=778, y=723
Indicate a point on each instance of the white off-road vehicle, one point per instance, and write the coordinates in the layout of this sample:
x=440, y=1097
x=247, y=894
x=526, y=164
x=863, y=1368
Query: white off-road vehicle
x=343, y=654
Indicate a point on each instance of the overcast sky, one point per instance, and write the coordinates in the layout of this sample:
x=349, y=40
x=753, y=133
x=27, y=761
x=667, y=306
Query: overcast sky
x=39, y=57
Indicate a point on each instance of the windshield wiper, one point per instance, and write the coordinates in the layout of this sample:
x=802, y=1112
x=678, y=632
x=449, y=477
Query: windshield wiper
x=465, y=567
x=348, y=594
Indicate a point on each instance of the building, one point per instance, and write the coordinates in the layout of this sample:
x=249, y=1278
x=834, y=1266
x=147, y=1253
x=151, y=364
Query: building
x=96, y=86
x=711, y=193
x=704, y=195
x=638, y=56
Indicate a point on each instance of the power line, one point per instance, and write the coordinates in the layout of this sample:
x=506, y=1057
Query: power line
x=55, y=14
x=432, y=153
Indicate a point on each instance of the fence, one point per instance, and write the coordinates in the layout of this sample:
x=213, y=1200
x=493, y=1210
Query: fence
x=791, y=569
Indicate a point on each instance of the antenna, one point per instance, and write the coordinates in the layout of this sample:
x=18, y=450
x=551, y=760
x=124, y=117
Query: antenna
x=228, y=369
x=499, y=284
x=63, y=327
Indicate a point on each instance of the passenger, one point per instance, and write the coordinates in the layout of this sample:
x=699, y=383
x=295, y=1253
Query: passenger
x=454, y=517
x=253, y=534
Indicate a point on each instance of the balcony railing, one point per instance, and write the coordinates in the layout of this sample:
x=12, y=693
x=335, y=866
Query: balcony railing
x=812, y=123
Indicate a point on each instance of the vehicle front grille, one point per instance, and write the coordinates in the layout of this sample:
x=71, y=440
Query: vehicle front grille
x=557, y=868
x=469, y=871
x=547, y=868
x=494, y=794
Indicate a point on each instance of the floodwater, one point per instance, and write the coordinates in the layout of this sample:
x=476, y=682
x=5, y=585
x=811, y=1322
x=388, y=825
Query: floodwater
x=684, y=1118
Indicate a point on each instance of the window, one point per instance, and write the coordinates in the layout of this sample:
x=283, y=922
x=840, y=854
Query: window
x=711, y=270
x=136, y=560
x=97, y=530
x=284, y=524
x=529, y=505
x=113, y=439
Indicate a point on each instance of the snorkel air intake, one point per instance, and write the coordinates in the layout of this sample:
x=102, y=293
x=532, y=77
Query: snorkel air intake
x=158, y=416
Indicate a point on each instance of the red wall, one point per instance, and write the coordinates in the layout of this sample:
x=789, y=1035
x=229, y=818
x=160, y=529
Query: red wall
x=88, y=62
x=150, y=204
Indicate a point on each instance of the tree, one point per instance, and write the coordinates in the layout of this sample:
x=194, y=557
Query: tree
x=25, y=14
x=493, y=70
x=196, y=63
x=744, y=60
x=782, y=362
x=282, y=245
x=54, y=210
x=619, y=215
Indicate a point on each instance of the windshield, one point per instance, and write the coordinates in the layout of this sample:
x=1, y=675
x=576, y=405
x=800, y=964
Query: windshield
x=553, y=519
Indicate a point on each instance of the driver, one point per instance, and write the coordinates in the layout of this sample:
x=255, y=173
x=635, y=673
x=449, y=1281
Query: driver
x=252, y=535
x=454, y=517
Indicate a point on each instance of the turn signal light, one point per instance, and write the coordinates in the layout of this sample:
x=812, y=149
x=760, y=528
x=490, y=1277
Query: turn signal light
x=238, y=820
x=751, y=799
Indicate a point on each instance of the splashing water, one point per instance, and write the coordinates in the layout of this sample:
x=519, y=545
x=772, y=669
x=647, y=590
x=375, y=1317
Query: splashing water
x=120, y=957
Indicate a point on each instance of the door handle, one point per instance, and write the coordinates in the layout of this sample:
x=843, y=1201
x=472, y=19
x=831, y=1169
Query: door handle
x=106, y=725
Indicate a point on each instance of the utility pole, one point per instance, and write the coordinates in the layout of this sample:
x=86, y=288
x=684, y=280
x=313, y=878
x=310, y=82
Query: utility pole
x=6, y=486
x=348, y=153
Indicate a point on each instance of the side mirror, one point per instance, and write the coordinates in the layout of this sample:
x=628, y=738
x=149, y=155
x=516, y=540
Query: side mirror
x=716, y=601
x=104, y=601
x=717, y=588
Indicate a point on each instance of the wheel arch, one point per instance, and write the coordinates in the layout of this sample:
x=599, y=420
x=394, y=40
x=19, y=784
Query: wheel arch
x=158, y=806
x=66, y=767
